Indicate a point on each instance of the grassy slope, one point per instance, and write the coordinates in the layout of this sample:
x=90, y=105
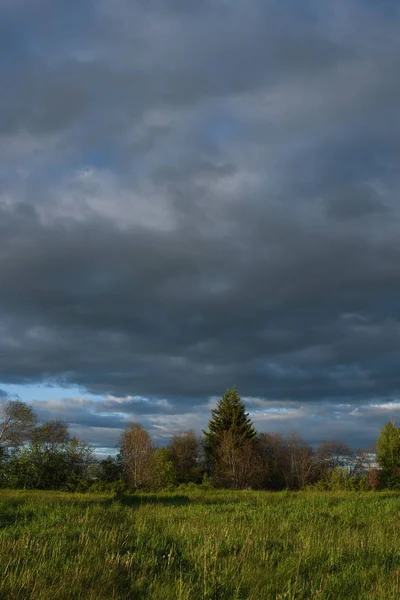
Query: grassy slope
x=199, y=545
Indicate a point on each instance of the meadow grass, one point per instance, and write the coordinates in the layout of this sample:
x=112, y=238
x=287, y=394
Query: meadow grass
x=195, y=544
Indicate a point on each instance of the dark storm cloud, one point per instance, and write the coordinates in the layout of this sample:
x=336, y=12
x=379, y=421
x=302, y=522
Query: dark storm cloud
x=127, y=57
x=352, y=203
x=200, y=194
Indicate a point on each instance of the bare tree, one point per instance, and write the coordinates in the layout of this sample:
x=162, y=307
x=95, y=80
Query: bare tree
x=287, y=461
x=136, y=452
x=18, y=423
x=362, y=461
x=237, y=465
x=273, y=456
x=301, y=462
x=333, y=454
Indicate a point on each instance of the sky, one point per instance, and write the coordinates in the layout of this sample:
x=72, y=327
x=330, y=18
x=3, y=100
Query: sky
x=195, y=195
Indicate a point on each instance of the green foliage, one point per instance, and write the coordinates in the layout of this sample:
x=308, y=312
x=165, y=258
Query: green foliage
x=51, y=434
x=17, y=423
x=39, y=466
x=338, y=480
x=232, y=456
x=4, y=461
x=364, y=485
x=184, y=453
x=388, y=455
x=100, y=487
x=229, y=416
x=230, y=443
x=109, y=469
x=162, y=473
x=207, y=483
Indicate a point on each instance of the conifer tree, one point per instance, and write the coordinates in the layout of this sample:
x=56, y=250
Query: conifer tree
x=229, y=416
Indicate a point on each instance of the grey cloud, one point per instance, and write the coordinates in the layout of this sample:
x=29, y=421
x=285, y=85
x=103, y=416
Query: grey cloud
x=199, y=196
x=175, y=59
x=358, y=423
x=352, y=203
x=181, y=315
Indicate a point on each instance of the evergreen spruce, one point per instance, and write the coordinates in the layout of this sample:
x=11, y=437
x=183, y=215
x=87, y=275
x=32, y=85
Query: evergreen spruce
x=229, y=416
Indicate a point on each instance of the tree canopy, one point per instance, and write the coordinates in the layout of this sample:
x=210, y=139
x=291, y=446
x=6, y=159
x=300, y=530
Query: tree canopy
x=388, y=454
x=229, y=416
x=17, y=424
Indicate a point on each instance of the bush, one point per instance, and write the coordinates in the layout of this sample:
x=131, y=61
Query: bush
x=207, y=484
x=162, y=473
x=339, y=481
x=374, y=479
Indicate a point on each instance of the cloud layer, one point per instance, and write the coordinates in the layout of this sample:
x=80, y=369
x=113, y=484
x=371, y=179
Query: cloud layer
x=199, y=194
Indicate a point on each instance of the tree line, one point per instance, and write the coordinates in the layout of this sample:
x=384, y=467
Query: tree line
x=230, y=454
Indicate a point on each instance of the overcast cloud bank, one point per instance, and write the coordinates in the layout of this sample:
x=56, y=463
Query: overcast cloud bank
x=194, y=195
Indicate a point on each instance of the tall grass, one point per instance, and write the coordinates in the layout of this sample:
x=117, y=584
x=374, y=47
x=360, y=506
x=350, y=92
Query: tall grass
x=192, y=544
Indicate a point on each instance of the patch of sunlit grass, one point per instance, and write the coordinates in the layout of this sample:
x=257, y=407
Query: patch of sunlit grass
x=200, y=544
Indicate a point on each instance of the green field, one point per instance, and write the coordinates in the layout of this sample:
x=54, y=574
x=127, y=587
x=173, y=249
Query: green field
x=199, y=544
